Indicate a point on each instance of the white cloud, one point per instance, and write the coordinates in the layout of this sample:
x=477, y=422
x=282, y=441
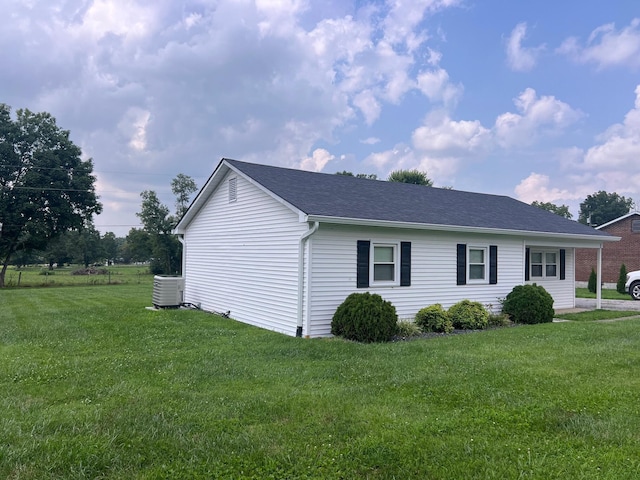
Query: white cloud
x=520, y=58
x=317, y=161
x=369, y=106
x=436, y=86
x=440, y=135
x=620, y=144
x=536, y=188
x=607, y=47
x=370, y=141
x=538, y=116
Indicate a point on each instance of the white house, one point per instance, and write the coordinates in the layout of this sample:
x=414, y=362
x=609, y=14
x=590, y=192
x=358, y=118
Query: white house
x=282, y=248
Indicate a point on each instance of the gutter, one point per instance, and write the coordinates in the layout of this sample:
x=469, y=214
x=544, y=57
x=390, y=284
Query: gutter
x=303, y=240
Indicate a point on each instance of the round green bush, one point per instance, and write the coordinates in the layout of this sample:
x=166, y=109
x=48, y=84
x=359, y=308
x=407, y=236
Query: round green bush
x=468, y=315
x=529, y=304
x=434, y=318
x=365, y=317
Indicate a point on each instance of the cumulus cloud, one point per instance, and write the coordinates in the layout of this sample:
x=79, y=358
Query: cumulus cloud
x=606, y=46
x=317, y=161
x=444, y=136
x=536, y=187
x=537, y=116
x=519, y=57
x=619, y=147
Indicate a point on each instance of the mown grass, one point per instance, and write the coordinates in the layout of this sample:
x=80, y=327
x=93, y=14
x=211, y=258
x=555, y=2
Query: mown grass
x=598, y=315
x=92, y=385
x=36, y=276
x=607, y=294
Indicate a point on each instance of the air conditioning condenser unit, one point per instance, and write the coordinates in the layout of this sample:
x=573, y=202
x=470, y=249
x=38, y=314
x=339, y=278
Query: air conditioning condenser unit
x=168, y=291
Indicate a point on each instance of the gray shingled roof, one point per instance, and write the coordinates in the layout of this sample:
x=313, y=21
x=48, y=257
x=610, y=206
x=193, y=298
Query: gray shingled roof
x=339, y=196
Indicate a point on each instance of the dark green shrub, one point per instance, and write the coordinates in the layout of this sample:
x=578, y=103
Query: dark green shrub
x=622, y=279
x=468, y=315
x=434, y=318
x=529, y=304
x=407, y=329
x=365, y=317
x=593, y=280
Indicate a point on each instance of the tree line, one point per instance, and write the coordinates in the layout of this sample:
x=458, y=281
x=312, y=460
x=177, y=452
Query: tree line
x=48, y=200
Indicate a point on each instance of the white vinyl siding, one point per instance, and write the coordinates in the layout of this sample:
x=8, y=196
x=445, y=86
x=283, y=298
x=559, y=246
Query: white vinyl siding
x=433, y=271
x=242, y=257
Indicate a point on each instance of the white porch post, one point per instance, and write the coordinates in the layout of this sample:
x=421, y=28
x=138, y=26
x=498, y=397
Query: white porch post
x=599, y=282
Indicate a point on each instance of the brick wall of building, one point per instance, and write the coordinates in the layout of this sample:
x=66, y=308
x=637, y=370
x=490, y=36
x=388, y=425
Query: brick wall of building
x=614, y=254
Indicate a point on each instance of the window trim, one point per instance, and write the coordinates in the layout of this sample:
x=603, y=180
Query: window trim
x=559, y=254
x=396, y=264
x=485, y=264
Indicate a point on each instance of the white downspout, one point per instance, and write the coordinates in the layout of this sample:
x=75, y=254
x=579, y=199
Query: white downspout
x=599, y=282
x=303, y=240
x=184, y=253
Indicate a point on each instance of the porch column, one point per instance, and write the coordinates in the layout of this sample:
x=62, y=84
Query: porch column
x=599, y=282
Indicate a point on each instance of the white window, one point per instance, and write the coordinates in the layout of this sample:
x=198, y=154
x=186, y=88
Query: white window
x=543, y=264
x=384, y=263
x=233, y=189
x=477, y=264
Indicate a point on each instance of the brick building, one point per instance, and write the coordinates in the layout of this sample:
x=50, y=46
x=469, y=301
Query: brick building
x=614, y=254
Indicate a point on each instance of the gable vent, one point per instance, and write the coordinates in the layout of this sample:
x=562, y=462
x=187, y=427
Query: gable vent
x=233, y=189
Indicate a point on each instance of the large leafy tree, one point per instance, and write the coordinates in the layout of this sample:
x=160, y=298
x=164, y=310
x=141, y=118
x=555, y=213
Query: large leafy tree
x=562, y=210
x=45, y=186
x=602, y=207
x=410, y=176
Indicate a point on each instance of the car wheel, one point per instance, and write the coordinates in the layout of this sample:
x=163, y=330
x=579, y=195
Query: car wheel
x=634, y=290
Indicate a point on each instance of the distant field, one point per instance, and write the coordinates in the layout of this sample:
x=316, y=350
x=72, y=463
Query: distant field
x=64, y=276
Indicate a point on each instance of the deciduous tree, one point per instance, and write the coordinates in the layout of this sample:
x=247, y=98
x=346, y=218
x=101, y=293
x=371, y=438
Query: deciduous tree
x=410, y=176
x=45, y=186
x=562, y=210
x=602, y=207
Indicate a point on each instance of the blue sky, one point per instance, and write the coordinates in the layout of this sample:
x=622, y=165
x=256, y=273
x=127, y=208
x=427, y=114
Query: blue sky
x=535, y=100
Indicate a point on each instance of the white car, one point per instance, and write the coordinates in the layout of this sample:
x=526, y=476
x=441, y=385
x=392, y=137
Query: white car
x=633, y=284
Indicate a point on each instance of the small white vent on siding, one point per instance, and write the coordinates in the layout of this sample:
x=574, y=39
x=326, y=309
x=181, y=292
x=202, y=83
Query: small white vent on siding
x=233, y=189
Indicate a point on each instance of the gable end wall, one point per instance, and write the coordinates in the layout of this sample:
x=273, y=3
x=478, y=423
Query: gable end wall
x=242, y=257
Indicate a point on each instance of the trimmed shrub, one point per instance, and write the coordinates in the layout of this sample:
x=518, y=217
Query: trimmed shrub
x=622, y=279
x=468, y=315
x=593, y=280
x=529, y=304
x=434, y=318
x=407, y=329
x=365, y=317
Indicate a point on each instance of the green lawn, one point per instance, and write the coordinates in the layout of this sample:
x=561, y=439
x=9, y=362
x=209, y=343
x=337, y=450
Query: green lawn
x=92, y=385
x=607, y=294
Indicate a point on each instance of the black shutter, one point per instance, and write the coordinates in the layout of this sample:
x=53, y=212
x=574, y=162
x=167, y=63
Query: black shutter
x=527, y=254
x=563, y=272
x=362, y=262
x=493, y=264
x=461, y=264
x=405, y=264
